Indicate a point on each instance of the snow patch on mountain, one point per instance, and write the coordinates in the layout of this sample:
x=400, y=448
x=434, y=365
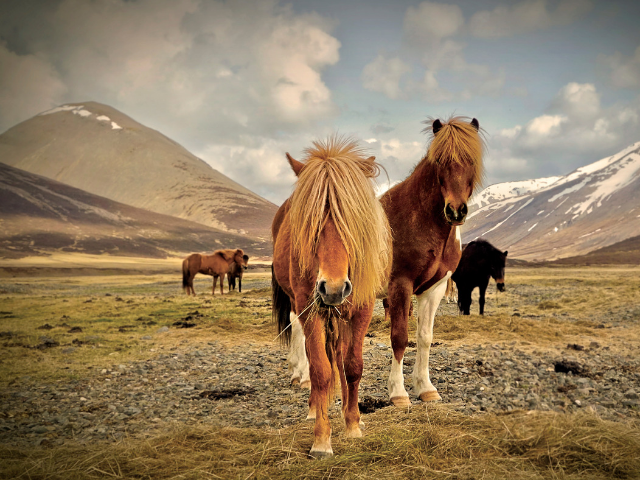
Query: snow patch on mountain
x=504, y=191
x=83, y=112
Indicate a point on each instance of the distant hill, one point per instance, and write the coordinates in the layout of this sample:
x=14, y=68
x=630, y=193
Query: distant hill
x=547, y=219
x=102, y=151
x=40, y=216
x=626, y=252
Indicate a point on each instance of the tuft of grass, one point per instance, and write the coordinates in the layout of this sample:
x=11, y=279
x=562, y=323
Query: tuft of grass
x=431, y=442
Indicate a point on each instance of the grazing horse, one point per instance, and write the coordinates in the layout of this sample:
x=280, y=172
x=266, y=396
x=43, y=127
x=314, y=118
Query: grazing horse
x=331, y=255
x=236, y=271
x=217, y=265
x=425, y=212
x=480, y=261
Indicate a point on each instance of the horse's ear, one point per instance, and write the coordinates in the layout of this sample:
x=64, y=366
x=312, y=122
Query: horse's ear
x=239, y=251
x=436, y=126
x=505, y=252
x=371, y=159
x=245, y=257
x=295, y=165
x=475, y=124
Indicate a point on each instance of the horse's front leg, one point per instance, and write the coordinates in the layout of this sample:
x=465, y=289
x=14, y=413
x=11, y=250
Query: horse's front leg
x=221, y=284
x=427, y=305
x=298, y=362
x=320, y=373
x=353, y=366
x=213, y=289
x=399, y=303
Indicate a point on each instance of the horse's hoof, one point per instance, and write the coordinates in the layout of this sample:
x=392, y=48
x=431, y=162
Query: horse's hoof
x=431, y=396
x=294, y=381
x=401, y=401
x=306, y=384
x=320, y=454
x=353, y=432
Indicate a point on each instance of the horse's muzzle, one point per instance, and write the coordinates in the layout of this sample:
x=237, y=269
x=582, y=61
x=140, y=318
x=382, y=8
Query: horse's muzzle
x=501, y=287
x=333, y=296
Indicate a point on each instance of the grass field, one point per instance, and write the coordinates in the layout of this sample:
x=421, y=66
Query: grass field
x=106, y=319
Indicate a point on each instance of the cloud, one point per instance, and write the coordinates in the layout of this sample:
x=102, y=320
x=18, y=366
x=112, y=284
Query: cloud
x=624, y=71
x=430, y=50
x=525, y=17
x=384, y=75
x=575, y=130
x=28, y=85
x=428, y=23
x=216, y=70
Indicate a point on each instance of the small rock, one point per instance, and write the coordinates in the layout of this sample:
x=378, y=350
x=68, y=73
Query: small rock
x=147, y=337
x=163, y=329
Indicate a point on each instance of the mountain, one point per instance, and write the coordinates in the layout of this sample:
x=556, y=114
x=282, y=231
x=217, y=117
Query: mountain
x=40, y=216
x=595, y=206
x=102, y=151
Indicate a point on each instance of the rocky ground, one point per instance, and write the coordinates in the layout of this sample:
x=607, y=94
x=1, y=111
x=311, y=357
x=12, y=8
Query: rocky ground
x=248, y=385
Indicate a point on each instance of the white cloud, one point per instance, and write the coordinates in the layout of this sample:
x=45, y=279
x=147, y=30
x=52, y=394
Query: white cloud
x=574, y=131
x=28, y=85
x=625, y=71
x=384, y=75
x=525, y=17
x=216, y=70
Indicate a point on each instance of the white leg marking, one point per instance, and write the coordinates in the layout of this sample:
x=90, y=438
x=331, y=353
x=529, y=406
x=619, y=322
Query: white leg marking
x=459, y=238
x=396, y=379
x=427, y=305
x=297, y=354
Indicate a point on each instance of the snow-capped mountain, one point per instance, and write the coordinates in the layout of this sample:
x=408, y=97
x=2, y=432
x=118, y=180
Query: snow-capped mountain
x=99, y=149
x=556, y=217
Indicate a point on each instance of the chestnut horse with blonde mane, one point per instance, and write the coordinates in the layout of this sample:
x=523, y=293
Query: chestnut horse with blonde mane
x=217, y=265
x=332, y=251
x=425, y=212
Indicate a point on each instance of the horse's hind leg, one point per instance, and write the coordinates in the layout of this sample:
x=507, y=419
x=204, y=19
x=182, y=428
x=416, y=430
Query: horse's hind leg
x=481, y=300
x=427, y=305
x=221, y=284
x=213, y=289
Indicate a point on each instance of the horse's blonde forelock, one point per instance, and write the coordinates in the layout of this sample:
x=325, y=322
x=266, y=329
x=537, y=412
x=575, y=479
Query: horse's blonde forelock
x=336, y=182
x=457, y=142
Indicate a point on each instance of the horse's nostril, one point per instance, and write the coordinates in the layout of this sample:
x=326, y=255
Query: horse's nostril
x=347, y=289
x=463, y=210
x=322, y=287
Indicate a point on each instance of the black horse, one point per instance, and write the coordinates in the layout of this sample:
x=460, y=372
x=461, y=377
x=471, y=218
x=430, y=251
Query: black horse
x=480, y=260
x=236, y=271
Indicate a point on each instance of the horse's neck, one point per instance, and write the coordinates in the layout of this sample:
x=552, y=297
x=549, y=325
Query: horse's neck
x=423, y=184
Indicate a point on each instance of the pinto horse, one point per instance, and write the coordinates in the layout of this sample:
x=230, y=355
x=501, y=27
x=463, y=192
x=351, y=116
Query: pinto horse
x=425, y=212
x=480, y=261
x=331, y=255
x=217, y=265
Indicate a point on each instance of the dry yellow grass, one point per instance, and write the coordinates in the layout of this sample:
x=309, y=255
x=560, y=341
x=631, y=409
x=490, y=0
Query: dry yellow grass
x=432, y=442
x=556, y=306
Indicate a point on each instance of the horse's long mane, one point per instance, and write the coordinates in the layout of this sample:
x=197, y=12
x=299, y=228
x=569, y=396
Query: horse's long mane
x=336, y=182
x=457, y=142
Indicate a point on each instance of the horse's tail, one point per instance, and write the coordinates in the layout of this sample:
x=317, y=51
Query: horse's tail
x=185, y=272
x=281, y=310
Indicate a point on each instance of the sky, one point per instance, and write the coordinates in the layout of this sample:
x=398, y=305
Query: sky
x=555, y=84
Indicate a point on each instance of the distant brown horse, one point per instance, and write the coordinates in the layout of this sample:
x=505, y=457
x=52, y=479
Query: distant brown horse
x=236, y=271
x=332, y=249
x=425, y=212
x=217, y=265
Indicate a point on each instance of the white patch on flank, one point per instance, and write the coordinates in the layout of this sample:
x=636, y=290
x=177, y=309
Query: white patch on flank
x=428, y=303
x=103, y=118
x=534, y=226
x=82, y=112
x=115, y=126
x=63, y=108
x=298, y=361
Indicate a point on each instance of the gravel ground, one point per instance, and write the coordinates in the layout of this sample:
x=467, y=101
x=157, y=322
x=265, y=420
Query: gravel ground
x=247, y=385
